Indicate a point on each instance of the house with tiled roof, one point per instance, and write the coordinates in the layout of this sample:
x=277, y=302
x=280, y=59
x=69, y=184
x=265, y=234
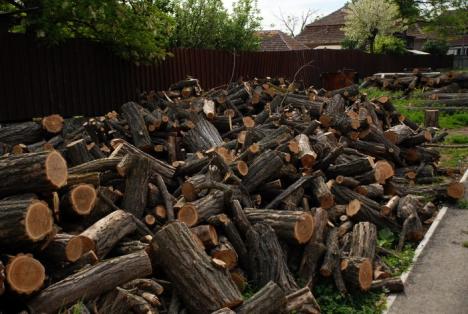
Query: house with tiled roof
x=275, y=40
x=325, y=32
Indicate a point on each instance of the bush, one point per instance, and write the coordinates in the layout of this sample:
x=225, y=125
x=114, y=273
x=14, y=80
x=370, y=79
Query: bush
x=436, y=47
x=390, y=45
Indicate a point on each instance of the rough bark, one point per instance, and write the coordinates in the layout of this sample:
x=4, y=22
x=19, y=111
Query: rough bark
x=206, y=287
x=270, y=299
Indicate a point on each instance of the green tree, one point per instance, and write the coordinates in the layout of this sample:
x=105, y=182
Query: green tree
x=436, y=47
x=365, y=19
x=137, y=29
x=390, y=45
x=208, y=24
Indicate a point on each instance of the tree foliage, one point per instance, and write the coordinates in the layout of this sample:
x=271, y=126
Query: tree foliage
x=436, y=47
x=136, y=29
x=208, y=24
x=390, y=45
x=365, y=19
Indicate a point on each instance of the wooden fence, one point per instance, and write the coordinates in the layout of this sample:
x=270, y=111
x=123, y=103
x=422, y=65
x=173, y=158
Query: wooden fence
x=83, y=78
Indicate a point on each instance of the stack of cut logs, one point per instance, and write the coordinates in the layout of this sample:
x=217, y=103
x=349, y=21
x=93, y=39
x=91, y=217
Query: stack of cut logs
x=174, y=203
x=447, y=92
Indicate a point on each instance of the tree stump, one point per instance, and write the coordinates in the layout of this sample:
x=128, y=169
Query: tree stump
x=431, y=118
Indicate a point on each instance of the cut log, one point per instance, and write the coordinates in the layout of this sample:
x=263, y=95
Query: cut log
x=79, y=200
x=24, y=220
x=302, y=301
x=390, y=206
x=270, y=299
x=392, y=285
x=201, y=209
x=97, y=165
x=322, y=193
x=230, y=230
x=332, y=255
x=203, y=136
x=207, y=234
x=315, y=248
x=306, y=154
x=24, y=274
x=373, y=191
x=136, y=186
x=122, y=148
x=347, y=181
x=66, y=248
x=53, y=123
x=265, y=167
x=206, y=287
x=357, y=273
x=39, y=172
x=25, y=133
x=106, y=232
x=364, y=240
x=266, y=259
x=352, y=168
x=295, y=226
x=77, y=153
x=91, y=282
x=225, y=252
x=132, y=113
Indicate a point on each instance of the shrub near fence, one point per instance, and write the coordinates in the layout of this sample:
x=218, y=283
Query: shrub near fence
x=83, y=78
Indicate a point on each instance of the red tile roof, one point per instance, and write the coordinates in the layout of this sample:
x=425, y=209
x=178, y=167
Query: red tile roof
x=275, y=40
x=325, y=31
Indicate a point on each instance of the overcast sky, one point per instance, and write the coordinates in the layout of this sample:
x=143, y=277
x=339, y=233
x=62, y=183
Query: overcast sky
x=269, y=9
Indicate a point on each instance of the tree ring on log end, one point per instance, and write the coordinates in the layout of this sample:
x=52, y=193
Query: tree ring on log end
x=188, y=191
x=56, y=169
x=365, y=275
x=38, y=221
x=456, y=190
x=242, y=167
x=304, y=228
x=83, y=199
x=353, y=207
x=25, y=274
x=76, y=248
x=188, y=214
x=383, y=170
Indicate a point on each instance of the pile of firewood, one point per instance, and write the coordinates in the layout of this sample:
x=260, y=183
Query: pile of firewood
x=174, y=203
x=450, y=87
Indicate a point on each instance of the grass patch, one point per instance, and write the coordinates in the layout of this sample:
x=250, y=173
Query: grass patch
x=462, y=204
x=402, y=262
x=331, y=301
x=465, y=244
x=248, y=292
x=457, y=139
x=453, y=157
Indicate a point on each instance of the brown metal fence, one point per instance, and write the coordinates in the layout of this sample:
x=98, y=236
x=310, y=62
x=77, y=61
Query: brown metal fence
x=83, y=78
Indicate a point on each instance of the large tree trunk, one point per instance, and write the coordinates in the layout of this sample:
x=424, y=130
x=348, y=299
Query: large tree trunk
x=204, y=286
x=91, y=282
x=45, y=171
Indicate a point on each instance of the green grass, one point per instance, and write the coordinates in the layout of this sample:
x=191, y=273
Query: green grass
x=457, y=139
x=453, y=157
x=400, y=263
x=446, y=120
x=462, y=204
x=465, y=244
x=331, y=301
